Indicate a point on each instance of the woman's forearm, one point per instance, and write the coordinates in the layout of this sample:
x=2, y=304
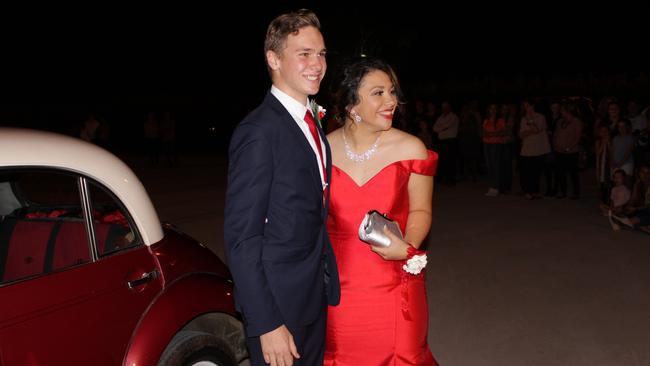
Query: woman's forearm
x=417, y=227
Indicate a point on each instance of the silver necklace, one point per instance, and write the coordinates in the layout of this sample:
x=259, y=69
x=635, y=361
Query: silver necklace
x=360, y=158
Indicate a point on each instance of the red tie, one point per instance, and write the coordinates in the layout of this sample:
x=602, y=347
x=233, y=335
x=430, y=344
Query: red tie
x=314, y=133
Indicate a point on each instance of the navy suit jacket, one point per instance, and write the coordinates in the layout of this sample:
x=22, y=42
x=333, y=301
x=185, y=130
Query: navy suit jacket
x=277, y=246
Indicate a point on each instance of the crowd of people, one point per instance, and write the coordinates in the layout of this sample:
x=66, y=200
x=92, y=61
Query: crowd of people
x=547, y=143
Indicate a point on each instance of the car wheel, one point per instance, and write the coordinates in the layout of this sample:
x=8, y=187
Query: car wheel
x=192, y=348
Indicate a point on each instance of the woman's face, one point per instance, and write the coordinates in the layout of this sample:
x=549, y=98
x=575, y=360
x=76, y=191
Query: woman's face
x=644, y=174
x=377, y=100
x=565, y=114
x=555, y=108
x=527, y=107
x=603, y=132
x=492, y=111
x=619, y=179
x=614, y=111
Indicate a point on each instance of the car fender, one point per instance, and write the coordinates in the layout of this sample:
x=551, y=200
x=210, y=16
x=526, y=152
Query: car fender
x=180, y=302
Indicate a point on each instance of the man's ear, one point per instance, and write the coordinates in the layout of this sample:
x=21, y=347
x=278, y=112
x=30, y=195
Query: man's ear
x=272, y=60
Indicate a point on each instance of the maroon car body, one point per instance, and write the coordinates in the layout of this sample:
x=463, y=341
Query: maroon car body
x=88, y=275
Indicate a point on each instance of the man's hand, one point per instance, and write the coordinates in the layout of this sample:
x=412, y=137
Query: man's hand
x=278, y=347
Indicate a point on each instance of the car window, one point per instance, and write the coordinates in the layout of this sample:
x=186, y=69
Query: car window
x=113, y=228
x=43, y=188
x=46, y=232
x=42, y=226
x=8, y=200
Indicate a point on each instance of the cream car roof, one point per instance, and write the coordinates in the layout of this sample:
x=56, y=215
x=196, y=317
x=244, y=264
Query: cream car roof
x=33, y=148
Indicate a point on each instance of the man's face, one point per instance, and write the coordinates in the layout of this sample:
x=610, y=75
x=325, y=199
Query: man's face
x=300, y=67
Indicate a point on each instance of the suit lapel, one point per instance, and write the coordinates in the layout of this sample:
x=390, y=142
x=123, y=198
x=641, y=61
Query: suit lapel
x=299, y=136
x=328, y=169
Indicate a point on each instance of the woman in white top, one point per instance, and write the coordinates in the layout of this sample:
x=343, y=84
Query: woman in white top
x=534, y=146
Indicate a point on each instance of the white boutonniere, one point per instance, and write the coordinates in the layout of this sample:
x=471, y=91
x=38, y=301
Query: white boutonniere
x=318, y=112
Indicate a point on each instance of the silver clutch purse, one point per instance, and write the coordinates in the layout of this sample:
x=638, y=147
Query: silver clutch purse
x=371, y=229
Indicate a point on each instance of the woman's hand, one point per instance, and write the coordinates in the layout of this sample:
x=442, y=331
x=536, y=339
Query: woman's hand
x=397, y=250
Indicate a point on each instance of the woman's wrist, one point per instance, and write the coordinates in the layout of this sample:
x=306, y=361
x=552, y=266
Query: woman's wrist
x=416, y=260
x=411, y=250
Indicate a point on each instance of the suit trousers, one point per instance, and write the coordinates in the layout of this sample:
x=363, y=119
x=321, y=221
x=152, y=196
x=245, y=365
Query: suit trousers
x=309, y=339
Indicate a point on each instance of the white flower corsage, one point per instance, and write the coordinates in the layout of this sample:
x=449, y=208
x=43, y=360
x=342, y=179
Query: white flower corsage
x=415, y=264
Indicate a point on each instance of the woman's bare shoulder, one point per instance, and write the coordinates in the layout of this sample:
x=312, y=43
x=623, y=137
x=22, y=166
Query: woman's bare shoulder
x=407, y=146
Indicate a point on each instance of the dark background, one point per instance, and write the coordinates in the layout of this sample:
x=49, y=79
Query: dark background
x=206, y=65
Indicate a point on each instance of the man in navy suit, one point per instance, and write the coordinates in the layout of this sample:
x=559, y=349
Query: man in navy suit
x=276, y=204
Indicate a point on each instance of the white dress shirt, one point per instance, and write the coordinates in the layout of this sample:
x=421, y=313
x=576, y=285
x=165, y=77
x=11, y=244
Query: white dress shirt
x=297, y=111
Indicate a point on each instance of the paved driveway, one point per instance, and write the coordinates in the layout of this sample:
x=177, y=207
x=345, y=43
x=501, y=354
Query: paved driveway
x=510, y=281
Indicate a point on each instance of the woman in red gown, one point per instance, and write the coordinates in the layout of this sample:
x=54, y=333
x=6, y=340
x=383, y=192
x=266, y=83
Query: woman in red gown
x=382, y=318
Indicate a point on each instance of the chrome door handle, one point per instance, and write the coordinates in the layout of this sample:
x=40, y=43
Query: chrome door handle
x=146, y=277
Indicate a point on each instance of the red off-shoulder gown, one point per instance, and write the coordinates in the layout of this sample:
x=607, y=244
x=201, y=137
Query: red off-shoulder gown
x=383, y=316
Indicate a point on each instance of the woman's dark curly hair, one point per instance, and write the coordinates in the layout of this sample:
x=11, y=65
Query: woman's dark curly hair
x=351, y=75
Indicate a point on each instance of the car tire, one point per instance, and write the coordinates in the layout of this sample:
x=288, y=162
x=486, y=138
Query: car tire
x=193, y=348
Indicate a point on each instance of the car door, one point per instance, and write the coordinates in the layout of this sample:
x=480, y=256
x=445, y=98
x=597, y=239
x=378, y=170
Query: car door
x=97, y=277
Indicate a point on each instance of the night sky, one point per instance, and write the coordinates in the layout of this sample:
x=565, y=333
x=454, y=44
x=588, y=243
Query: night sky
x=122, y=62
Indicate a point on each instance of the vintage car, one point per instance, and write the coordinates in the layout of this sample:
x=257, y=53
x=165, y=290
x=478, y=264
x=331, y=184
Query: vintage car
x=89, y=275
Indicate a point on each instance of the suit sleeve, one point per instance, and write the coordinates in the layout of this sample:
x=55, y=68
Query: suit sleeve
x=250, y=173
